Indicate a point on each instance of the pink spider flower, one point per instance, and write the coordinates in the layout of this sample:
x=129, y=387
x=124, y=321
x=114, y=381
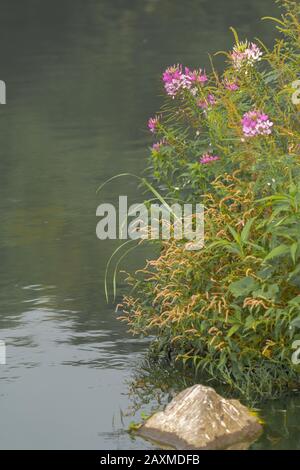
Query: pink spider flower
x=152, y=124
x=208, y=158
x=210, y=100
x=245, y=53
x=172, y=79
x=231, y=85
x=158, y=145
x=196, y=76
x=256, y=123
x=175, y=79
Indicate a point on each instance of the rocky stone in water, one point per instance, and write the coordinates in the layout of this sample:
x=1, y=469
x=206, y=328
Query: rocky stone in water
x=199, y=418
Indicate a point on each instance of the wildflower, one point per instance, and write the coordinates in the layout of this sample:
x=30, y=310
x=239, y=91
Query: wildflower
x=208, y=158
x=244, y=54
x=197, y=76
x=175, y=79
x=172, y=79
x=210, y=100
x=172, y=73
x=157, y=146
x=256, y=123
x=153, y=123
x=231, y=85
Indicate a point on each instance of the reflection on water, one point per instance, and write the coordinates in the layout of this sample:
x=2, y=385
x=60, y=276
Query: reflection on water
x=82, y=79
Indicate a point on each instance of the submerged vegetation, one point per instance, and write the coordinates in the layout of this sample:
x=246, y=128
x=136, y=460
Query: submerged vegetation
x=232, y=142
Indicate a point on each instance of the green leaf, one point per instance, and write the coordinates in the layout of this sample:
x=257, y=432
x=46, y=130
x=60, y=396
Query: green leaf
x=246, y=230
x=235, y=234
x=294, y=273
x=233, y=330
x=294, y=249
x=268, y=293
x=243, y=287
x=296, y=323
x=250, y=321
x=272, y=291
x=278, y=251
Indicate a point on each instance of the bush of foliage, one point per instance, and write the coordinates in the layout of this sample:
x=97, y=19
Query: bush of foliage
x=232, y=142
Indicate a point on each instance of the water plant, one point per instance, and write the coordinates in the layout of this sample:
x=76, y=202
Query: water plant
x=230, y=140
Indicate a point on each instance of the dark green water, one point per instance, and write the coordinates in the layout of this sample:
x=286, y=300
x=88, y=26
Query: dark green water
x=82, y=78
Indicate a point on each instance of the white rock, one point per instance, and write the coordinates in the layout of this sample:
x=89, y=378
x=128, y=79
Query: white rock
x=199, y=418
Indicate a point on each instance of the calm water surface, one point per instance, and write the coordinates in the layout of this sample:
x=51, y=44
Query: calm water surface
x=82, y=79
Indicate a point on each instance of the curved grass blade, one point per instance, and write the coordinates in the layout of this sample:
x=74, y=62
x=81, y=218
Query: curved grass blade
x=117, y=266
x=108, y=265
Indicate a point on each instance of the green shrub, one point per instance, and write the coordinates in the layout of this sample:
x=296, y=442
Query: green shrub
x=232, y=142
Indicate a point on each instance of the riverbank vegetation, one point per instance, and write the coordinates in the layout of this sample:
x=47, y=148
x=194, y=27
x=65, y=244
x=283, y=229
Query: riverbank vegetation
x=230, y=140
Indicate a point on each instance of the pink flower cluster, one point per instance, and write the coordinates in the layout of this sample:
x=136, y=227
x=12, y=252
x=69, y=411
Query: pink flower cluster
x=210, y=100
x=231, y=85
x=208, y=158
x=152, y=124
x=175, y=79
x=245, y=54
x=256, y=123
